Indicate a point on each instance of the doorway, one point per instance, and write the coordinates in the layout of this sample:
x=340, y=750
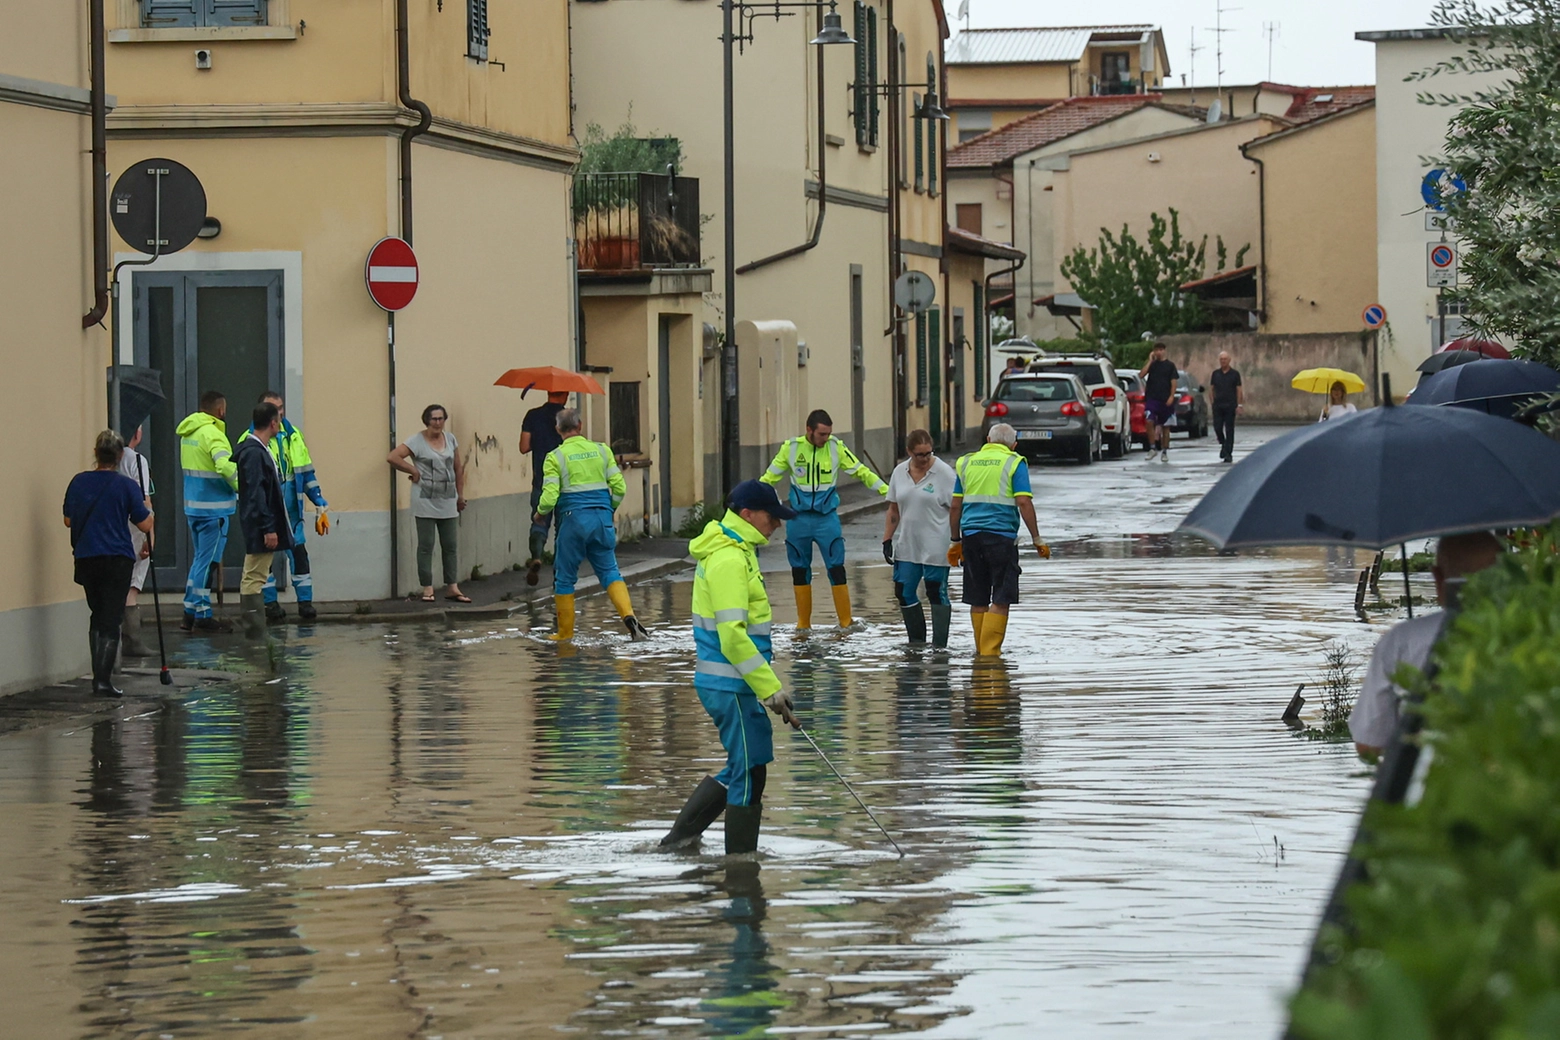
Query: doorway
x=956, y=375
x=858, y=366
x=216, y=330
x=663, y=382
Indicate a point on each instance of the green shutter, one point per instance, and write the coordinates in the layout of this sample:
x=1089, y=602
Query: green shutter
x=920, y=144
x=920, y=357
x=872, y=76
x=980, y=341
x=933, y=132
x=934, y=369
x=862, y=94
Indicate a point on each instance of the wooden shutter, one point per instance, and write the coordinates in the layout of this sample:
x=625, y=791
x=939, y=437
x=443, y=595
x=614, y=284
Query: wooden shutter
x=861, y=105
x=898, y=76
x=920, y=142
x=980, y=341
x=235, y=12
x=934, y=369
x=872, y=76
x=920, y=357
x=933, y=132
x=477, y=29
x=168, y=14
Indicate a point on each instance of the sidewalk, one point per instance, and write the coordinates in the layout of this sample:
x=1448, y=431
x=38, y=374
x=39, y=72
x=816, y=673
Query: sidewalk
x=73, y=699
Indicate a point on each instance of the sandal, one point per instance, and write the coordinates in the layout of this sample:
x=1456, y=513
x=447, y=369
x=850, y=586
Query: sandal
x=462, y=598
x=429, y=598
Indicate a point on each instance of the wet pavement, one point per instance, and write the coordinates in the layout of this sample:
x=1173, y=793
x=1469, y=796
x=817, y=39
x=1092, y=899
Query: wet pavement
x=424, y=831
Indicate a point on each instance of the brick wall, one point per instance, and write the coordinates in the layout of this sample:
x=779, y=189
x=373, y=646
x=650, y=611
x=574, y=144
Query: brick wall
x=1268, y=362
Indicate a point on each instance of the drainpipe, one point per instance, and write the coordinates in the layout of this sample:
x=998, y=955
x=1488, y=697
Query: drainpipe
x=1262, y=272
x=99, y=176
x=823, y=184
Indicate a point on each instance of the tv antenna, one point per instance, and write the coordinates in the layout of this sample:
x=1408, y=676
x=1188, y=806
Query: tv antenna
x=1218, y=31
x=1191, y=62
x=1271, y=30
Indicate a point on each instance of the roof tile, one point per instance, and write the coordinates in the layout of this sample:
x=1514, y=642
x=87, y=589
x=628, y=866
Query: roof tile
x=1308, y=105
x=1049, y=125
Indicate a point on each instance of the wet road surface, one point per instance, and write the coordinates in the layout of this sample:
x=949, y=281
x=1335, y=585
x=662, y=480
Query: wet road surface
x=408, y=831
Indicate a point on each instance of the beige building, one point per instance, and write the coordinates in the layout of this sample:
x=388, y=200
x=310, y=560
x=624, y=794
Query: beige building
x=302, y=121
x=57, y=402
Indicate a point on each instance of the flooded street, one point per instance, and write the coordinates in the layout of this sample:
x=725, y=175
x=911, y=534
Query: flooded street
x=419, y=832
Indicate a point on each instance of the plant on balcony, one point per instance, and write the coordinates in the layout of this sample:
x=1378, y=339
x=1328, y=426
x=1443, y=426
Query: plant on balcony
x=606, y=193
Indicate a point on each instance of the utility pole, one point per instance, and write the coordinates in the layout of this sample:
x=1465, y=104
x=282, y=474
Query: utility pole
x=1271, y=30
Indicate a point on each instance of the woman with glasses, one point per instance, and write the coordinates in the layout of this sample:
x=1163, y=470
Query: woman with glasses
x=916, y=537
x=431, y=459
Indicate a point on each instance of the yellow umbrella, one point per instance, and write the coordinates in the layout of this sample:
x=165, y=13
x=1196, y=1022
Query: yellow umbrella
x=1321, y=380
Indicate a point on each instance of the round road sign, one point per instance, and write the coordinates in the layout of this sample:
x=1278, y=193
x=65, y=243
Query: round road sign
x=1438, y=185
x=1374, y=316
x=157, y=200
x=391, y=273
x=914, y=292
x=1442, y=256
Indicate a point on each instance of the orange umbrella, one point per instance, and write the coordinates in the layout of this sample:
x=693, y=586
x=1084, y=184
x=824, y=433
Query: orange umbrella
x=548, y=379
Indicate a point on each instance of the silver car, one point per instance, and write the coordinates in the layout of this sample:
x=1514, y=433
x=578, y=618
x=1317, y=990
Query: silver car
x=1051, y=412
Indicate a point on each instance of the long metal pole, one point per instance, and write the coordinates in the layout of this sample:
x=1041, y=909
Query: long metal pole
x=395, y=511
x=731, y=429
x=852, y=790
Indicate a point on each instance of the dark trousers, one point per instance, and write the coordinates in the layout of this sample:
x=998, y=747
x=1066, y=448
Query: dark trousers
x=448, y=531
x=1224, y=429
x=106, y=580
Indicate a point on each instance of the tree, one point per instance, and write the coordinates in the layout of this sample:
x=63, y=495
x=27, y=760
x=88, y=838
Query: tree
x=1504, y=144
x=1135, y=288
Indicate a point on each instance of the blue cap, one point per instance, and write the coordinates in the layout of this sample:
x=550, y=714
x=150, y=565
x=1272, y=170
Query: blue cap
x=755, y=494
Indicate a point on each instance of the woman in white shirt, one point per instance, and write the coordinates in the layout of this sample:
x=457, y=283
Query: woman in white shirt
x=1338, y=404
x=916, y=537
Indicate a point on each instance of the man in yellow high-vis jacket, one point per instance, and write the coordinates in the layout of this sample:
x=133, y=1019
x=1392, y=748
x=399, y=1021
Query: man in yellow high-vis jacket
x=814, y=464
x=582, y=482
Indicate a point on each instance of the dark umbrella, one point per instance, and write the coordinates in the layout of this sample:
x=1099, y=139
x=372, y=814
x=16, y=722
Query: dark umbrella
x=1384, y=477
x=1447, y=359
x=1497, y=386
x=1487, y=347
x=140, y=390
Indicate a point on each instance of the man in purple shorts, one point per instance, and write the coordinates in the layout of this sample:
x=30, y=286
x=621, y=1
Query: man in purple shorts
x=1159, y=379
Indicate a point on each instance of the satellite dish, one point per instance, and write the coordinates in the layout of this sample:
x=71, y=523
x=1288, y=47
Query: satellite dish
x=914, y=291
x=1215, y=111
x=158, y=206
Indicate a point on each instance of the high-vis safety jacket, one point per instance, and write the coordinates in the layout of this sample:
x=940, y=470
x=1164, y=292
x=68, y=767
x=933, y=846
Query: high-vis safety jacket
x=296, y=468
x=989, y=484
x=210, y=474
x=731, y=617
x=581, y=474
x=815, y=472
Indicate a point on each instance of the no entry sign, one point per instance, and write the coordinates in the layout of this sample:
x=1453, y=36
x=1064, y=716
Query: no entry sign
x=391, y=273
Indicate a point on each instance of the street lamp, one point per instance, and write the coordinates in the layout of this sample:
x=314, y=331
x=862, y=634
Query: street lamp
x=737, y=19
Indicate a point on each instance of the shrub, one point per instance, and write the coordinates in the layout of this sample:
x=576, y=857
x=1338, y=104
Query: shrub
x=694, y=523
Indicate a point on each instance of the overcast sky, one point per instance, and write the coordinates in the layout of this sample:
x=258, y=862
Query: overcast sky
x=1315, y=43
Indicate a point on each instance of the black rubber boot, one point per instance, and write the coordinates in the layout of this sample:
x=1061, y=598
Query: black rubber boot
x=915, y=622
x=306, y=611
x=942, y=617
x=105, y=650
x=701, y=810
x=637, y=632
x=742, y=828
x=252, y=608
x=275, y=612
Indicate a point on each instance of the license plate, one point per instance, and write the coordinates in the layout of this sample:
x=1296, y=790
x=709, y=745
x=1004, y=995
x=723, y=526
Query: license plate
x=1034, y=435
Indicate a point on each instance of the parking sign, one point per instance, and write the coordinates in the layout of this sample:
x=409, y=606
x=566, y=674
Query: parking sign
x=1441, y=265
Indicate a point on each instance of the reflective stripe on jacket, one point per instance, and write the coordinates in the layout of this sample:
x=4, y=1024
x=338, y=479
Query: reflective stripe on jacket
x=731, y=616
x=210, y=474
x=581, y=474
x=989, y=488
x=815, y=473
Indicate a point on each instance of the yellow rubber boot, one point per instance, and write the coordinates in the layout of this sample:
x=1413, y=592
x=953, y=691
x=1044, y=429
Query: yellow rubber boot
x=992, y=631
x=803, y=605
x=617, y=592
x=977, y=619
x=565, y=608
x=842, y=604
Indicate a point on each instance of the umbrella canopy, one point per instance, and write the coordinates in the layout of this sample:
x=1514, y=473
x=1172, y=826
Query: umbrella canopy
x=1495, y=385
x=1487, y=347
x=140, y=390
x=1447, y=359
x=1321, y=380
x=548, y=379
x=1387, y=476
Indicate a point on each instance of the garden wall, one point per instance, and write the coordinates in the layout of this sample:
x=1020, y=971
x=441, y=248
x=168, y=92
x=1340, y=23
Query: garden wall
x=1268, y=362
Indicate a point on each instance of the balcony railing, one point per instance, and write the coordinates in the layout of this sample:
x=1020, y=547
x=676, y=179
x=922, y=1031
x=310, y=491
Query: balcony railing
x=632, y=221
x=1106, y=87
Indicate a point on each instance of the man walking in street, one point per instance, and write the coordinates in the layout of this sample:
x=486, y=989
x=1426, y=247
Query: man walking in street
x=814, y=463
x=210, y=496
x=539, y=439
x=916, y=539
x=1229, y=397
x=262, y=513
x=733, y=677
x=581, y=481
x=1159, y=379
x=990, y=495
x=296, y=468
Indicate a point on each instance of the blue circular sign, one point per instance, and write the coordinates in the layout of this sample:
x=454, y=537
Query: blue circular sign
x=1442, y=256
x=1375, y=316
x=1437, y=185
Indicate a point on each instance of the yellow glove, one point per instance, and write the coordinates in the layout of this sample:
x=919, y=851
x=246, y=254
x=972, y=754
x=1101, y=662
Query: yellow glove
x=1043, y=549
x=956, y=554
x=322, y=523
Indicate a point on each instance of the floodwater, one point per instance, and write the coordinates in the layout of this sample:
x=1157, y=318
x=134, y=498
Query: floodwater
x=407, y=831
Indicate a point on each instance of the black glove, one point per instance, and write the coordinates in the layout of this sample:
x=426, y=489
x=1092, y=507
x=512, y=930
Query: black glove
x=888, y=550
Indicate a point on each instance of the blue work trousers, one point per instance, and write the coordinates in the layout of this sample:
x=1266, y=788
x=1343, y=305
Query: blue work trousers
x=584, y=534
x=745, y=733
x=807, y=530
x=208, y=538
x=908, y=575
x=296, y=562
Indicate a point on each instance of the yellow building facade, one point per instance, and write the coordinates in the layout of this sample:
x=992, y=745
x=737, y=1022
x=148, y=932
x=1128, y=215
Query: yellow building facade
x=297, y=123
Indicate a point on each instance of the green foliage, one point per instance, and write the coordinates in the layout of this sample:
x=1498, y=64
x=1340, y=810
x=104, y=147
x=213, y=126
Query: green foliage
x=627, y=152
x=1135, y=287
x=1131, y=357
x=1457, y=934
x=1505, y=145
x=699, y=515
x=1339, y=687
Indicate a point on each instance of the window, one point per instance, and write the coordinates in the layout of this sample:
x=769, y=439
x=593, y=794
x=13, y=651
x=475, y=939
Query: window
x=920, y=358
x=1036, y=390
x=477, y=30
x=624, y=403
x=171, y=14
x=934, y=131
x=1116, y=67
x=980, y=340
x=920, y=145
x=860, y=103
x=973, y=122
x=967, y=216
x=898, y=76
x=872, y=77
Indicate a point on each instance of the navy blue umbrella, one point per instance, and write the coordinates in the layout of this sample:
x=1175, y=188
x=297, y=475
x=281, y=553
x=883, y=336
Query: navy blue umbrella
x=1499, y=386
x=1384, y=477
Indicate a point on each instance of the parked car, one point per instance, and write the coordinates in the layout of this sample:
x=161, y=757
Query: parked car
x=1133, y=383
x=1106, y=393
x=1191, y=407
x=1052, y=414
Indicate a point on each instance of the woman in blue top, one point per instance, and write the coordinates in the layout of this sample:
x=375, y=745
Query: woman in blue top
x=100, y=506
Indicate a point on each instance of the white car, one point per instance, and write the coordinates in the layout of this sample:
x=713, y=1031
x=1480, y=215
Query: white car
x=1106, y=393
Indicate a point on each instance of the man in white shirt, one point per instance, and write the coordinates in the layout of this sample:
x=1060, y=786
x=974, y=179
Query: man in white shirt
x=1375, y=714
x=916, y=537
x=133, y=465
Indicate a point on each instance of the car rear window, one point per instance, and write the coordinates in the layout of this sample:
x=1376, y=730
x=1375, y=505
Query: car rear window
x=1130, y=382
x=1091, y=374
x=1035, y=390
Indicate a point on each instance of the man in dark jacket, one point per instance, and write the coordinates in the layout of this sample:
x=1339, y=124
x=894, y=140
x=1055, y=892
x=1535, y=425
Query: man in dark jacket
x=262, y=513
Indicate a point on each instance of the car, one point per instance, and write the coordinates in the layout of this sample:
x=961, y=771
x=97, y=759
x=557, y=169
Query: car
x=1133, y=384
x=1191, y=407
x=1106, y=393
x=1051, y=412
